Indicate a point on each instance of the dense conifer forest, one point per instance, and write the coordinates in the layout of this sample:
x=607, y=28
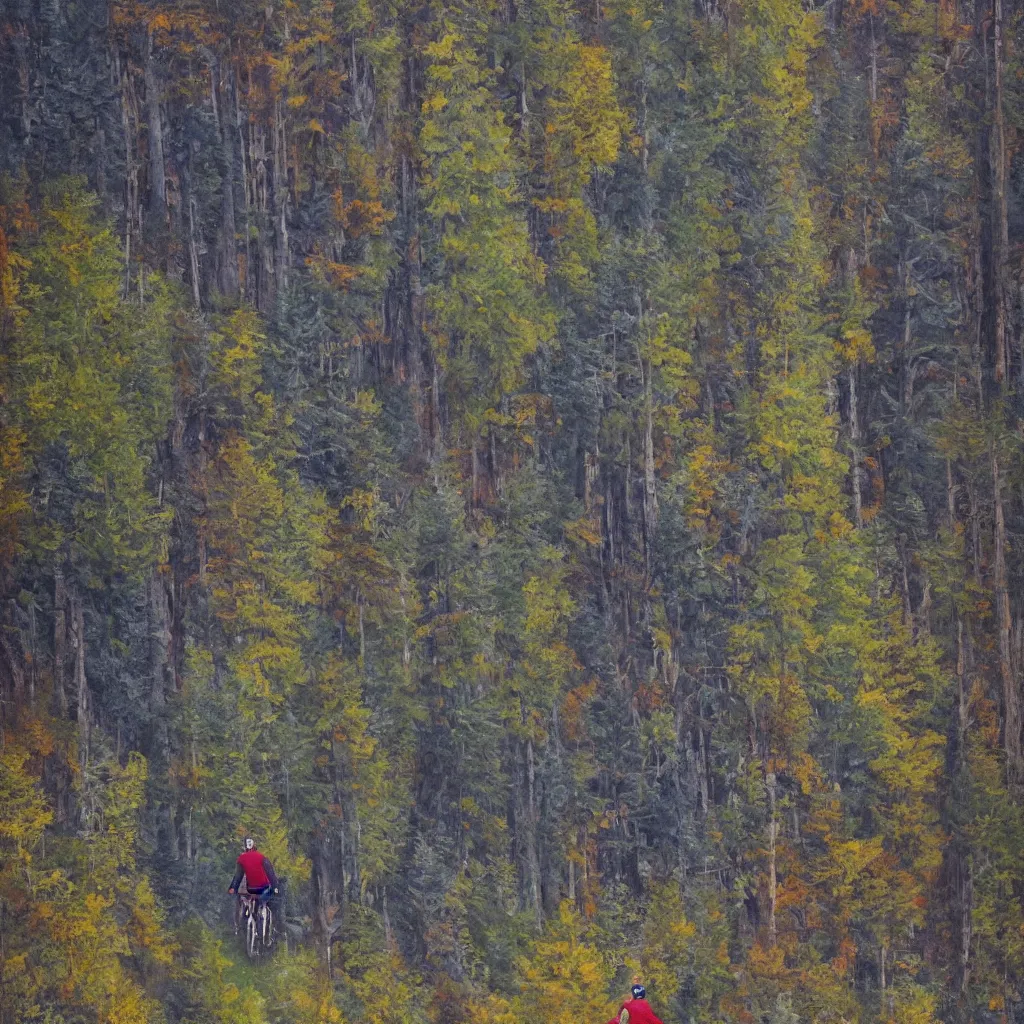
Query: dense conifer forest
x=550, y=470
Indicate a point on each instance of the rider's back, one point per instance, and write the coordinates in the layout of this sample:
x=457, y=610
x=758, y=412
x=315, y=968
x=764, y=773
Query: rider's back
x=251, y=862
x=640, y=1012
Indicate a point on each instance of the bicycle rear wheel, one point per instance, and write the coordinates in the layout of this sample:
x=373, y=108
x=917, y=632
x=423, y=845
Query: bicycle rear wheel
x=252, y=933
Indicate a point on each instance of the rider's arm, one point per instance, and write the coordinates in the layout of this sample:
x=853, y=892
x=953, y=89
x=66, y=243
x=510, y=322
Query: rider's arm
x=269, y=868
x=238, y=877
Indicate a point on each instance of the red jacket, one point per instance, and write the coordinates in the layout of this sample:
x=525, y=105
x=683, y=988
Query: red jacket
x=639, y=1011
x=258, y=871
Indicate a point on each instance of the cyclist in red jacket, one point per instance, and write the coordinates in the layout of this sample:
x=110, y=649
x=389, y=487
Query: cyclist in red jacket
x=638, y=1010
x=260, y=879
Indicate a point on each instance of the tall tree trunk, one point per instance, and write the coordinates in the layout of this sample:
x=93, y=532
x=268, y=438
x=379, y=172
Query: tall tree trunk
x=245, y=278
x=532, y=853
x=873, y=79
x=650, y=482
x=82, y=710
x=132, y=202
x=158, y=178
x=60, y=642
x=1011, y=696
x=858, y=513
x=531, y=810
x=57, y=772
x=11, y=647
x=193, y=246
x=280, y=169
x=961, y=653
x=323, y=926
x=1000, y=229
x=773, y=825
x=961, y=868
x=220, y=96
x=965, y=903
x=159, y=663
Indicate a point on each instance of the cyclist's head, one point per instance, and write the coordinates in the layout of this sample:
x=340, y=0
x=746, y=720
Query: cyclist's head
x=639, y=992
x=249, y=843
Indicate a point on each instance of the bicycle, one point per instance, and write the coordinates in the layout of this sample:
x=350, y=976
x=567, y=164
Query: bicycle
x=259, y=924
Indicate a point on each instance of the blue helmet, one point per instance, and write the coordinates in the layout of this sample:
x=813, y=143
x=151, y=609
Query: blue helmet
x=639, y=992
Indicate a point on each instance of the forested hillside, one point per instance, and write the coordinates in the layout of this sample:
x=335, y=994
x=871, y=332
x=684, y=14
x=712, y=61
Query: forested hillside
x=551, y=471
